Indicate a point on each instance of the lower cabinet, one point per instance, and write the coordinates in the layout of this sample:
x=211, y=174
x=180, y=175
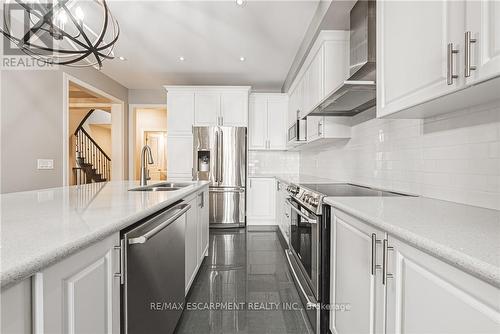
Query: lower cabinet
x=414, y=293
x=16, y=308
x=196, y=239
x=283, y=210
x=81, y=293
x=261, y=197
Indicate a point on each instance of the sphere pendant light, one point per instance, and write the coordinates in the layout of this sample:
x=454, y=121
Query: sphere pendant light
x=63, y=32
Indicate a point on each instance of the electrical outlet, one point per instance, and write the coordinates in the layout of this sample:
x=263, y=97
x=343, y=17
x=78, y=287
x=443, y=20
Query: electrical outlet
x=45, y=164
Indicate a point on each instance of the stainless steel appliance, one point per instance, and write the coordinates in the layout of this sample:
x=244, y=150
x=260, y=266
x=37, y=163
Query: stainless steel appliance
x=358, y=93
x=297, y=132
x=152, y=262
x=309, y=253
x=220, y=156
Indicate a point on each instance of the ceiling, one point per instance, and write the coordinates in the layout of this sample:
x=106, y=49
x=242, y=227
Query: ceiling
x=211, y=36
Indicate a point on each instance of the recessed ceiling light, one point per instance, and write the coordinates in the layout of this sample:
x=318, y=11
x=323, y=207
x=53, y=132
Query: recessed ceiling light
x=239, y=2
x=122, y=58
x=181, y=58
x=242, y=58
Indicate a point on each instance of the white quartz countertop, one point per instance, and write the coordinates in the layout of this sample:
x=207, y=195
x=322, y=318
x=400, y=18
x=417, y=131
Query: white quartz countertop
x=294, y=178
x=467, y=237
x=39, y=228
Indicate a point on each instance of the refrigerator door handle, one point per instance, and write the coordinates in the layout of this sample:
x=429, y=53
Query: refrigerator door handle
x=217, y=156
x=221, y=154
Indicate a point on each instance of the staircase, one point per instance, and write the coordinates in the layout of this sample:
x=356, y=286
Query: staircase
x=92, y=163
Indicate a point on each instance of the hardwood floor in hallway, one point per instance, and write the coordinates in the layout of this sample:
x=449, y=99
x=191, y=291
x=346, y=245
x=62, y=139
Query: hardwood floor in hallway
x=244, y=286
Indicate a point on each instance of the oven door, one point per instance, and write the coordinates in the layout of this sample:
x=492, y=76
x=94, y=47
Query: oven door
x=304, y=243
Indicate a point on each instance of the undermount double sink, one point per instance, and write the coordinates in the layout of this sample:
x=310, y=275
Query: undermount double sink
x=164, y=186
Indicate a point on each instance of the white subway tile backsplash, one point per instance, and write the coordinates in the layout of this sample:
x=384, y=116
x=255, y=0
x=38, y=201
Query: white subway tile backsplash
x=269, y=162
x=453, y=157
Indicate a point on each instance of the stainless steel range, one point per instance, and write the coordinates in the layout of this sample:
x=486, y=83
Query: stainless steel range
x=309, y=252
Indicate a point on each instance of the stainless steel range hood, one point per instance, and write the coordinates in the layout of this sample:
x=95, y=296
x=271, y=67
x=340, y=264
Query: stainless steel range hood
x=358, y=93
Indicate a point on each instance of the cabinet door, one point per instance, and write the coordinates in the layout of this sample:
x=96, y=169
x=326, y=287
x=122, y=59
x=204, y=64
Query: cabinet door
x=191, y=243
x=293, y=107
x=352, y=279
x=203, y=226
x=179, y=157
x=427, y=295
x=206, y=108
x=313, y=127
x=315, y=80
x=234, y=108
x=276, y=120
x=336, y=62
x=261, y=198
x=412, y=53
x=180, y=115
x=482, y=19
x=301, y=97
x=80, y=293
x=257, y=129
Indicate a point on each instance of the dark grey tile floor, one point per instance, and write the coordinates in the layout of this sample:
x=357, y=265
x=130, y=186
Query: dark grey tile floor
x=246, y=271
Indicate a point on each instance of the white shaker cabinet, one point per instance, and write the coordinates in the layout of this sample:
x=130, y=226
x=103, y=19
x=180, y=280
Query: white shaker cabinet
x=180, y=157
x=268, y=128
x=414, y=56
x=80, y=294
x=207, y=108
x=261, y=197
x=408, y=292
x=180, y=112
x=223, y=106
x=196, y=237
x=16, y=308
x=283, y=210
x=426, y=295
x=482, y=40
x=357, y=282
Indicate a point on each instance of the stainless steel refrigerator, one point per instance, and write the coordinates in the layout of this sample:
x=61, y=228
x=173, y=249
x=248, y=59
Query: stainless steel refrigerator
x=220, y=156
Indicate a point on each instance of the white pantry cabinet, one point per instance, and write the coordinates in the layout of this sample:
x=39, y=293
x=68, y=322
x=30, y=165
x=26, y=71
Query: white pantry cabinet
x=421, y=64
x=80, y=294
x=267, y=127
x=420, y=293
x=180, y=115
x=261, y=197
x=196, y=239
x=179, y=157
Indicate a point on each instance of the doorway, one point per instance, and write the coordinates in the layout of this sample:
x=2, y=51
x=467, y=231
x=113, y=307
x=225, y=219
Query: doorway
x=148, y=126
x=93, y=134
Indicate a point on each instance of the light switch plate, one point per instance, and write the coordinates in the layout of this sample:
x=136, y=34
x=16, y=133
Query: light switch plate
x=45, y=163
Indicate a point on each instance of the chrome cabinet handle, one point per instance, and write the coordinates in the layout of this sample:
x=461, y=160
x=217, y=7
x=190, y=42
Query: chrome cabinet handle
x=202, y=199
x=320, y=128
x=309, y=303
x=148, y=235
x=450, y=76
x=468, y=41
x=374, y=264
x=121, y=252
x=303, y=215
x=385, y=261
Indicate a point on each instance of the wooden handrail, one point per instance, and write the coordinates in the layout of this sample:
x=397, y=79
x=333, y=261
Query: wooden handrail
x=83, y=120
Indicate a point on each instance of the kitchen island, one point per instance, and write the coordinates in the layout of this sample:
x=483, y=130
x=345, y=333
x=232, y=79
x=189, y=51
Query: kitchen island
x=61, y=251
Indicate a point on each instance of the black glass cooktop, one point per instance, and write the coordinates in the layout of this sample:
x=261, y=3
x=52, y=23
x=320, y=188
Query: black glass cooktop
x=347, y=189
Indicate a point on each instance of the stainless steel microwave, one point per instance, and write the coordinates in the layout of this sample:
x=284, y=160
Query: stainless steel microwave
x=297, y=132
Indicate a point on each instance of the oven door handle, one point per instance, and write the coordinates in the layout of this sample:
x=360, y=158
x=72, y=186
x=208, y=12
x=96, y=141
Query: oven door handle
x=303, y=215
x=309, y=303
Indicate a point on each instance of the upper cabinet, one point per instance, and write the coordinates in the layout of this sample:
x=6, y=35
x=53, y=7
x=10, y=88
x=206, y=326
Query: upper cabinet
x=325, y=69
x=190, y=106
x=432, y=66
x=267, y=126
x=223, y=106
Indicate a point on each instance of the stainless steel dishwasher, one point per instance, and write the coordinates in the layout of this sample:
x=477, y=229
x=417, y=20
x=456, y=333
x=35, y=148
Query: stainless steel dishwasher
x=153, y=280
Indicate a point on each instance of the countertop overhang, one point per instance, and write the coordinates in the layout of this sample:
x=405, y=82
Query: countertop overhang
x=41, y=227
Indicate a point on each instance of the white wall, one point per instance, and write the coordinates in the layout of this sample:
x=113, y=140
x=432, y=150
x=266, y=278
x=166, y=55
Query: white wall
x=454, y=157
x=32, y=123
x=273, y=162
